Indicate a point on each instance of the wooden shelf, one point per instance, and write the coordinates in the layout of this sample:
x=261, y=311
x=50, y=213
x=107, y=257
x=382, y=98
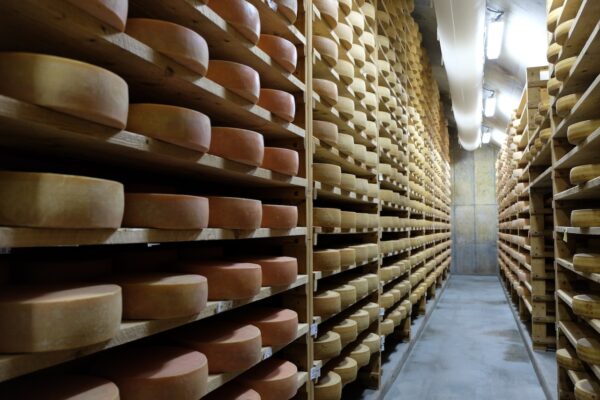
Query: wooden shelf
x=585, y=153
x=14, y=365
x=325, y=274
x=585, y=109
x=274, y=23
x=324, y=151
x=578, y=231
x=320, y=320
x=544, y=180
x=590, y=190
x=341, y=195
x=585, y=23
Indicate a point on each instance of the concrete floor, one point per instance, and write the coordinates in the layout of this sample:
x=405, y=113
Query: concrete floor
x=470, y=349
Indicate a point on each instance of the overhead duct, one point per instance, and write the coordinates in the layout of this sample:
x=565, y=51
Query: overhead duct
x=461, y=25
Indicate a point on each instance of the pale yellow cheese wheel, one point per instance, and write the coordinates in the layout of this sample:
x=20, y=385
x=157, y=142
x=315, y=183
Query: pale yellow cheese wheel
x=553, y=86
x=327, y=90
x=386, y=300
x=562, y=31
x=326, y=260
x=359, y=87
x=545, y=134
x=362, y=186
x=345, y=70
x=59, y=201
x=357, y=21
x=347, y=295
x=361, y=317
x=51, y=318
x=397, y=316
x=348, y=182
x=579, y=131
x=347, y=369
x=347, y=256
x=587, y=389
x=361, y=285
x=553, y=17
x=361, y=253
x=345, y=106
x=68, y=86
x=346, y=143
x=327, y=346
x=348, y=331
x=348, y=220
x=368, y=40
x=372, y=160
x=588, y=350
x=327, y=48
x=587, y=263
x=361, y=354
x=563, y=68
x=329, y=387
x=553, y=52
x=370, y=69
x=584, y=173
x=325, y=131
x=565, y=104
x=370, y=101
x=567, y=359
x=386, y=327
x=372, y=341
x=373, y=281
x=362, y=221
x=327, y=217
x=329, y=11
x=360, y=120
x=587, y=305
x=328, y=174
x=327, y=303
x=373, y=310
x=586, y=218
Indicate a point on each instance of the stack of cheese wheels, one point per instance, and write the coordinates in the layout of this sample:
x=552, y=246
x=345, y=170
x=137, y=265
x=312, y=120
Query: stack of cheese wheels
x=278, y=327
x=283, y=161
x=234, y=213
x=327, y=260
x=177, y=42
x=273, y=379
x=162, y=296
x=241, y=145
x=585, y=218
x=242, y=15
x=56, y=387
x=327, y=346
x=227, y=280
x=278, y=102
x=347, y=369
x=165, y=211
x=155, y=373
x=277, y=216
x=238, y=78
x=327, y=303
x=233, y=391
x=588, y=263
x=277, y=271
x=67, y=317
x=329, y=387
x=24, y=201
x=68, y=86
x=281, y=50
x=228, y=346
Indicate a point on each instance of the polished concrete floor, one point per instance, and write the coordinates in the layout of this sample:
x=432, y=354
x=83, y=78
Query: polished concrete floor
x=470, y=349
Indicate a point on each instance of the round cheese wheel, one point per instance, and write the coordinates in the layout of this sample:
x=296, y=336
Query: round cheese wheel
x=357, y=20
x=588, y=350
x=227, y=280
x=359, y=55
x=553, y=52
x=283, y=161
x=50, y=318
x=60, y=387
x=281, y=50
x=345, y=34
x=278, y=102
x=111, y=12
x=369, y=11
x=347, y=369
x=386, y=300
x=586, y=306
x=370, y=70
x=177, y=125
x=242, y=15
x=386, y=327
x=545, y=134
x=278, y=327
x=68, y=86
x=345, y=6
x=372, y=342
x=326, y=260
x=165, y=211
x=584, y=173
x=359, y=87
x=345, y=70
x=329, y=387
x=397, y=316
x=233, y=391
x=279, y=216
x=328, y=174
x=348, y=220
x=327, y=48
x=362, y=221
x=360, y=121
x=273, y=379
x=234, y=213
x=361, y=354
x=361, y=285
x=579, y=131
x=587, y=263
x=327, y=217
x=347, y=295
x=553, y=17
x=347, y=257
x=553, y=86
x=373, y=281
x=587, y=389
x=562, y=32
x=565, y=104
x=328, y=10
x=563, y=68
x=241, y=145
x=177, y=42
x=327, y=346
x=346, y=143
x=238, y=78
x=288, y=8
x=327, y=303
x=373, y=310
x=362, y=186
x=24, y=201
x=361, y=317
x=327, y=90
x=277, y=271
x=585, y=218
x=368, y=40
x=325, y=131
x=162, y=296
x=567, y=358
x=345, y=107
x=155, y=373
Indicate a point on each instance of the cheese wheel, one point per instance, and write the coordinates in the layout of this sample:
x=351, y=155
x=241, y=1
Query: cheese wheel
x=110, y=12
x=345, y=107
x=345, y=70
x=584, y=173
x=242, y=15
x=361, y=253
x=586, y=306
x=155, y=373
x=347, y=257
x=273, y=379
x=361, y=317
x=277, y=271
x=329, y=387
x=585, y=218
x=347, y=369
x=397, y=316
x=545, y=134
x=288, y=8
x=386, y=300
x=373, y=281
x=276, y=216
x=326, y=260
x=327, y=303
x=283, y=161
x=227, y=280
x=361, y=285
x=327, y=346
x=345, y=6
x=553, y=86
x=345, y=34
x=177, y=42
x=327, y=48
x=238, y=78
x=587, y=389
x=177, y=125
x=234, y=213
x=386, y=327
x=347, y=295
x=587, y=263
x=278, y=327
x=553, y=52
x=357, y=52
x=278, y=102
x=373, y=310
x=562, y=32
x=60, y=387
x=370, y=101
x=362, y=186
x=588, y=350
x=165, y=211
x=327, y=90
x=328, y=174
x=553, y=17
x=360, y=121
x=241, y=145
x=281, y=50
x=328, y=10
x=40, y=319
x=348, y=220
x=579, y=131
x=361, y=354
x=346, y=143
x=562, y=68
x=325, y=131
x=68, y=86
x=369, y=12
x=370, y=70
x=327, y=217
x=359, y=87
x=567, y=358
x=565, y=104
x=368, y=40
x=357, y=21
x=372, y=341
x=162, y=296
x=233, y=391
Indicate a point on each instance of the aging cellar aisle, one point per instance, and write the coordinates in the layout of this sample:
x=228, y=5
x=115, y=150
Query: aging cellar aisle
x=470, y=349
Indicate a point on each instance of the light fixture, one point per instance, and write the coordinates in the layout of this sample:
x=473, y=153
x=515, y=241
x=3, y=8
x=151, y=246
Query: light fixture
x=495, y=34
x=486, y=136
x=490, y=103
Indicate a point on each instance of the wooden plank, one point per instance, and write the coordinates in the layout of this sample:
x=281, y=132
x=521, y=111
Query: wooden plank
x=342, y=195
x=578, y=231
x=585, y=68
x=326, y=152
x=585, y=153
x=588, y=191
x=585, y=23
x=586, y=108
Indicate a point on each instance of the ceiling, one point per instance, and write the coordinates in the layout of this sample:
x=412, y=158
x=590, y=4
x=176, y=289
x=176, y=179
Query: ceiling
x=524, y=45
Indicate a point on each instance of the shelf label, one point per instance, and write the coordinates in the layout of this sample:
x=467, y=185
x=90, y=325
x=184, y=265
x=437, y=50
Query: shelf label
x=565, y=237
x=315, y=373
x=381, y=311
x=314, y=329
x=153, y=244
x=268, y=353
x=382, y=343
x=224, y=306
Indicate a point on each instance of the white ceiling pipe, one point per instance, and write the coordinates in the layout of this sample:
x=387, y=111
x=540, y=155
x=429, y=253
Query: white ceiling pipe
x=461, y=25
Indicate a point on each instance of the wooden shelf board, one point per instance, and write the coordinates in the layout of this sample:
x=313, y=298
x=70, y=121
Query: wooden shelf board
x=326, y=152
x=544, y=157
x=585, y=69
x=585, y=22
x=271, y=22
x=325, y=274
x=578, y=231
x=544, y=180
x=342, y=195
x=585, y=153
x=590, y=190
x=568, y=264
x=586, y=108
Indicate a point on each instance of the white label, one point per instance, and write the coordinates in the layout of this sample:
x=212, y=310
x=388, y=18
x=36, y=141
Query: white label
x=381, y=311
x=268, y=353
x=315, y=373
x=382, y=343
x=224, y=306
x=153, y=244
x=565, y=237
x=314, y=329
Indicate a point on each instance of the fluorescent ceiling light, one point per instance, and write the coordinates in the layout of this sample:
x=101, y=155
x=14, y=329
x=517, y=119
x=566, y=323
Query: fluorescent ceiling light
x=490, y=105
x=495, y=35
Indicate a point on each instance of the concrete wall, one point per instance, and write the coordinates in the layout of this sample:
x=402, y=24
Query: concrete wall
x=474, y=210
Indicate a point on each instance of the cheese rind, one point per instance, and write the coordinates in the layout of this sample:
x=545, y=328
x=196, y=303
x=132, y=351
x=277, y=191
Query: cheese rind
x=347, y=369
x=278, y=102
x=579, y=131
x=273, y=379
x=327, y=217
x=327, y=48
x=587, y=262
x=278, y=327
x=327, y=90
x=348, y=331
x=275, y=216
x=165, y=211
x=327, y=346
x=111, y=12
x=585, y=218
x=283, y=161
x=327, y=303
x=325, y=131
x=326, y=260
x=586, y=306
x=277, y=271
x=328, y=10
x=238, y=78
x=281, y=50
x=234, y=213
x=241, y=145
x=329, y=387
x=584, y=173
x=565, y=104
x=327, y=174
x=243, y=16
